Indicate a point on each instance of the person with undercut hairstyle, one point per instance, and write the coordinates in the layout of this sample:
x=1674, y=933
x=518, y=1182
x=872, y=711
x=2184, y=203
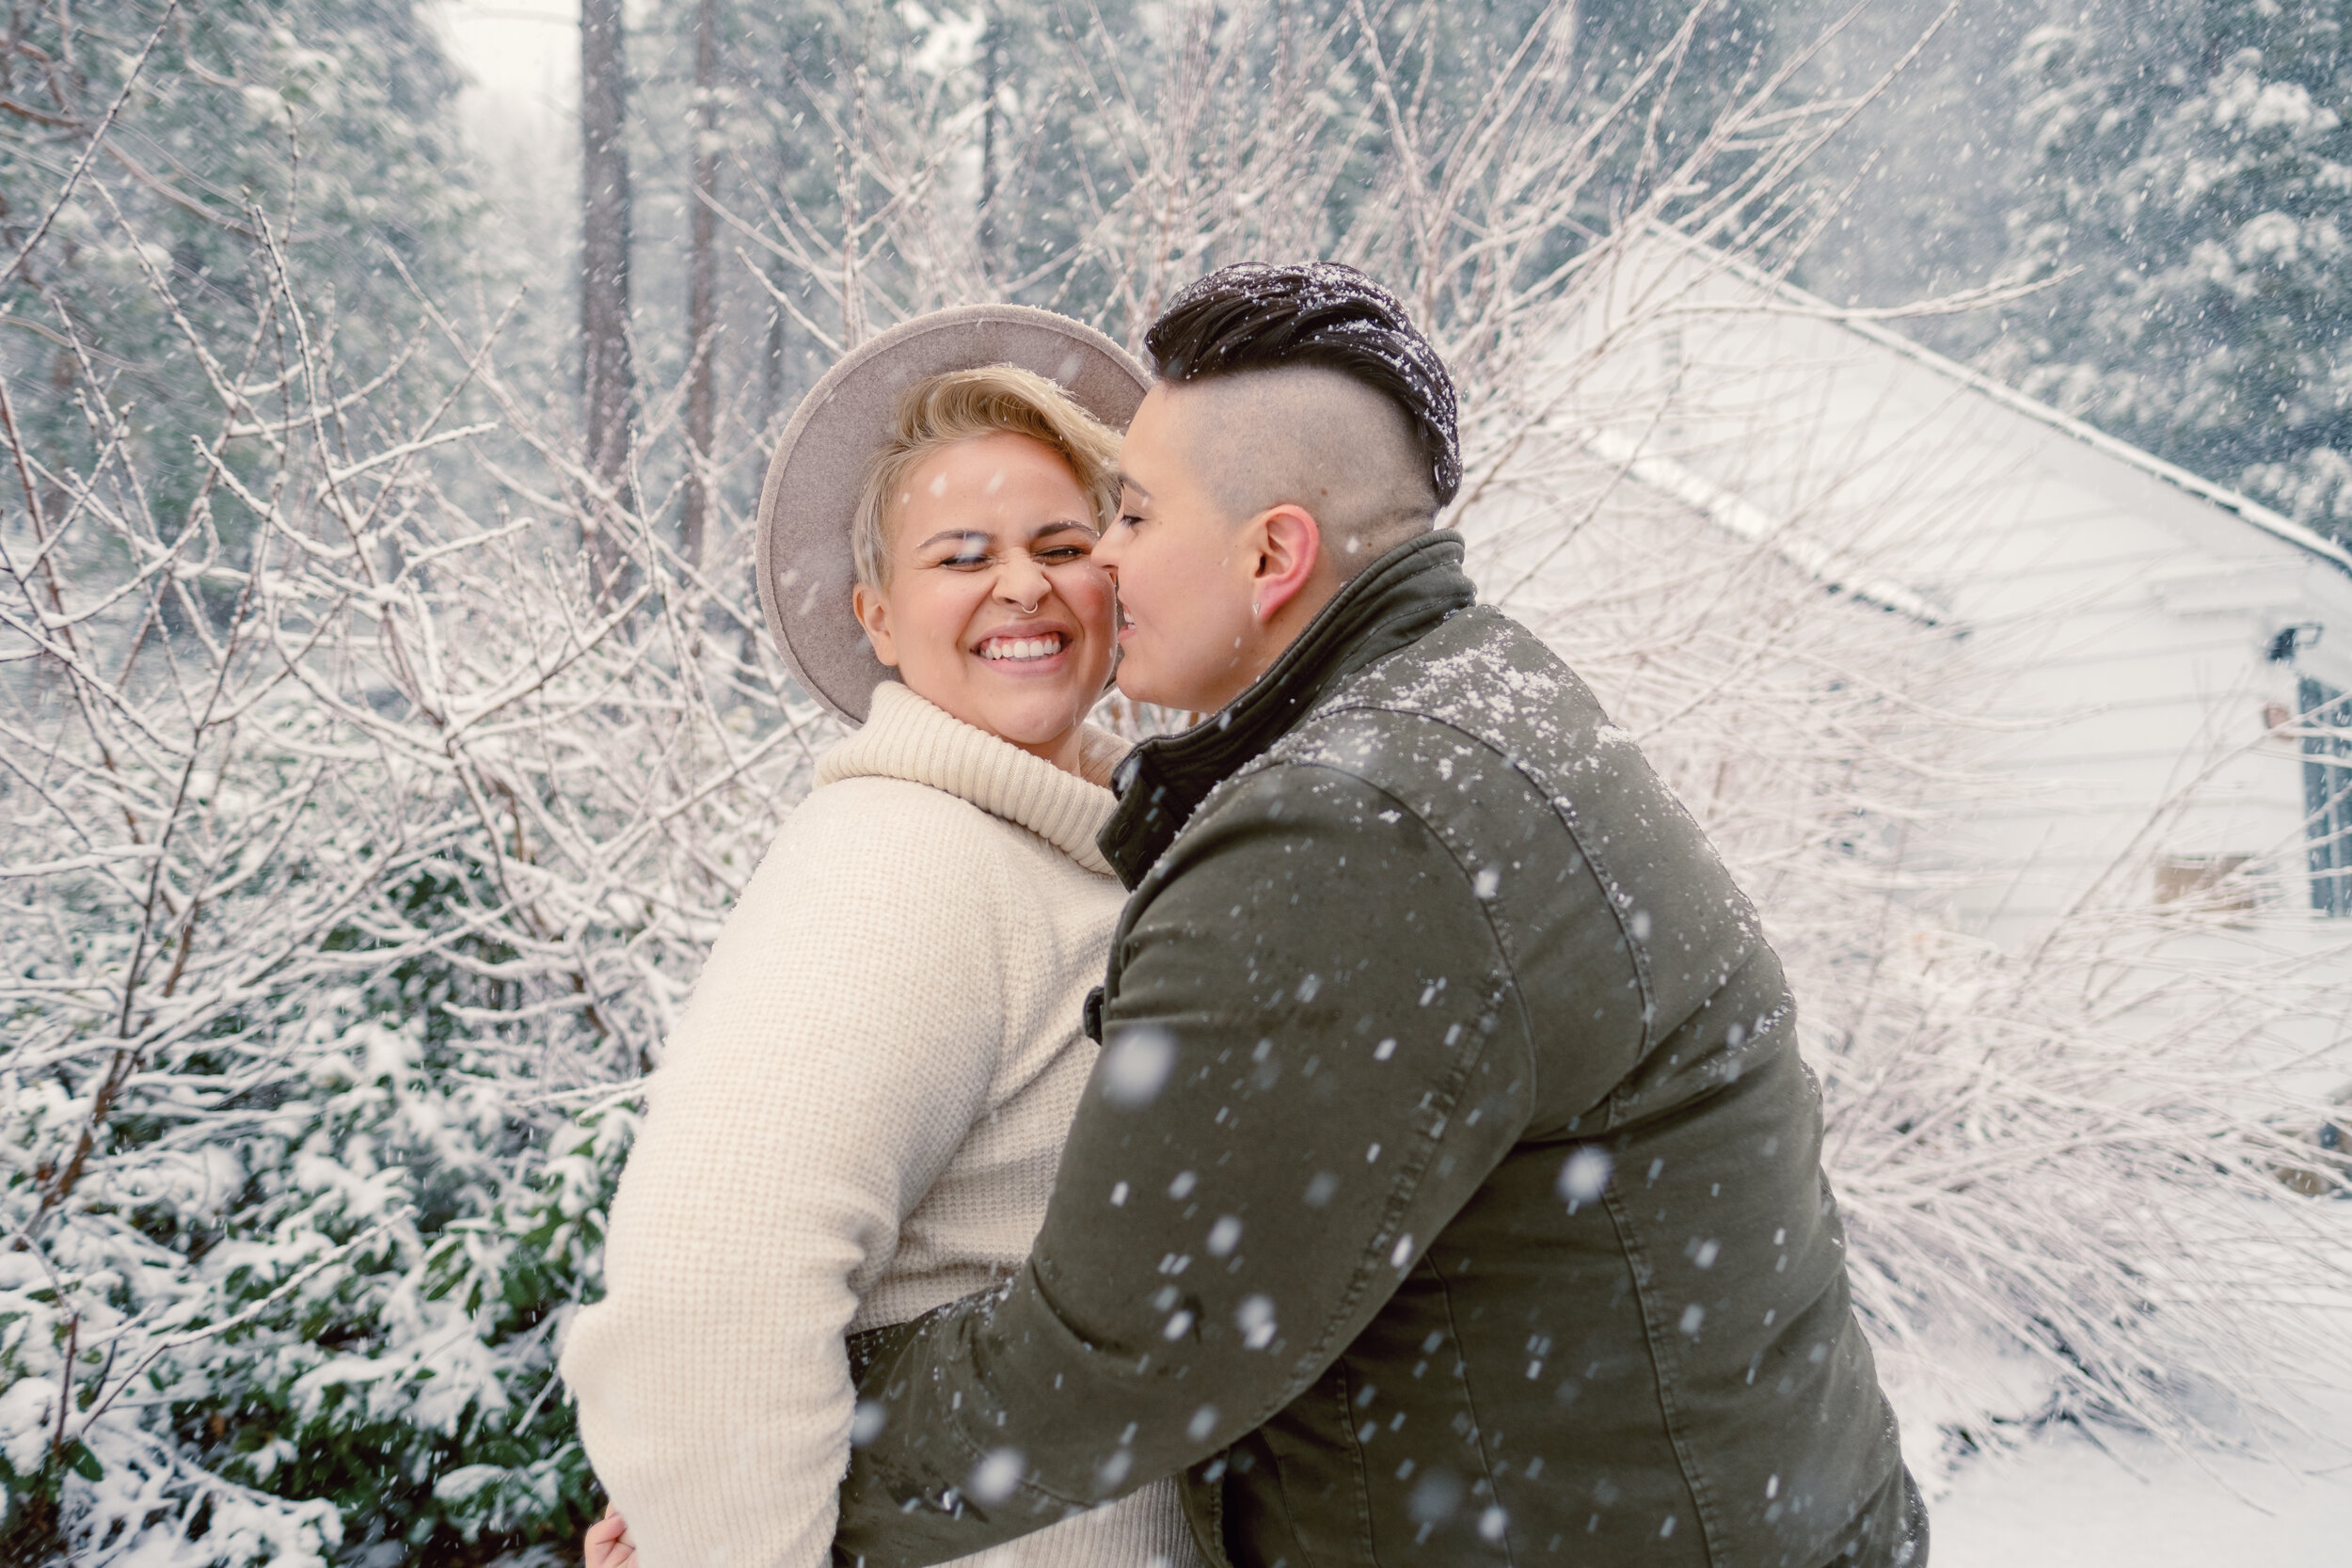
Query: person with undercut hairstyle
x=1448, y=1189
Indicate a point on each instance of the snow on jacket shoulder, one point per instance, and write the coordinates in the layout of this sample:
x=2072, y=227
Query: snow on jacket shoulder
x=858, y=1120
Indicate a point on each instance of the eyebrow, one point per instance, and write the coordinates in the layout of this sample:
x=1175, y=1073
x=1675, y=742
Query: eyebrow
x=1055, y=526
x=952, y=533
x=1127, y=482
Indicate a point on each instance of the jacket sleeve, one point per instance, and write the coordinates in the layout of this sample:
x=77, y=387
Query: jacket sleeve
x=1312, y=1059
x=838, y=1046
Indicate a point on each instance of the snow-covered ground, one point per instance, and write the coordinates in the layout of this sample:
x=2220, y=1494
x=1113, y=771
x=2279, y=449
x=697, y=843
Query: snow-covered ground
x=2275, y=1491
x=2065, y=1502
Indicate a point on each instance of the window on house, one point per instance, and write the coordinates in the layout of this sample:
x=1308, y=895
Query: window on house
x=2211, y=884
x=2327, y=795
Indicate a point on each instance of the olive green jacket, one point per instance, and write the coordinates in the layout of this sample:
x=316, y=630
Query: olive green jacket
x=1448, y=1189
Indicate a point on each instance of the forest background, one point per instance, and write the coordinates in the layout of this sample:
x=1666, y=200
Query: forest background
x=387, y=719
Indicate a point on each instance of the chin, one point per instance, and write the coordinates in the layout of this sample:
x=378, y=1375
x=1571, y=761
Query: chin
x=1138, y=685
x=1032, y=726
x=1160, y=693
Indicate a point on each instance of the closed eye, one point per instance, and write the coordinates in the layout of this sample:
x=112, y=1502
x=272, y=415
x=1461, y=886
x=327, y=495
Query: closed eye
x=965, y=548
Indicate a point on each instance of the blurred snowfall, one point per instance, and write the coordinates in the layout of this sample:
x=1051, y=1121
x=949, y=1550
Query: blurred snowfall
x=326, y=1003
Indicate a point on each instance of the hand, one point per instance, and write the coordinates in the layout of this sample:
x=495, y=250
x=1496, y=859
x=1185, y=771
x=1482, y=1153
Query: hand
x=608, y=1544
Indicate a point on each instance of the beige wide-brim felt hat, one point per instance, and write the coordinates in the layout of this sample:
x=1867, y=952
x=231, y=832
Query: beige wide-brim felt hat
x=806, y=569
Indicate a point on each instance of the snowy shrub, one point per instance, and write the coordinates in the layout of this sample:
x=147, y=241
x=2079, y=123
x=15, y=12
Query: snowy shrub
x=354, y=845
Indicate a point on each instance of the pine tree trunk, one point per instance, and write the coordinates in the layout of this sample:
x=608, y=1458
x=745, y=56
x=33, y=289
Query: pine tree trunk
x=608, y=372
x=702, y=287
x=991, y=56
x=773, y=361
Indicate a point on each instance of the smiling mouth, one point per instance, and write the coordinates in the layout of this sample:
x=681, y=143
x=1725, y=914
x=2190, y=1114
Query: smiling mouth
x=1021, y=650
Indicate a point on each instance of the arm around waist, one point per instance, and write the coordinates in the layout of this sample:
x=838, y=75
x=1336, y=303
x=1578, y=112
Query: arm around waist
x=1313, y=1056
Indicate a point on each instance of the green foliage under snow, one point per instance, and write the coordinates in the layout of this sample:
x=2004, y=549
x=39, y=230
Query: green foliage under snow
x=2191, y=164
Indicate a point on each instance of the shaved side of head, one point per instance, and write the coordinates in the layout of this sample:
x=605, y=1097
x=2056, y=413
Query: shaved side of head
x=1314, y=439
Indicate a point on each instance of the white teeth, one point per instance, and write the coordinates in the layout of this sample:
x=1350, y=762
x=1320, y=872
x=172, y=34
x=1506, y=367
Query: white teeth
x=1002, y=648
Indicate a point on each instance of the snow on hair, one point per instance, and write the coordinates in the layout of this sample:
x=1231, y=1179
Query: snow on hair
x=1261, y=315
x=957, y=406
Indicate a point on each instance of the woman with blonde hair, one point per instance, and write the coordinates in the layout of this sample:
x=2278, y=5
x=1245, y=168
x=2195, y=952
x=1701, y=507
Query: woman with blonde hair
x=859, y=1116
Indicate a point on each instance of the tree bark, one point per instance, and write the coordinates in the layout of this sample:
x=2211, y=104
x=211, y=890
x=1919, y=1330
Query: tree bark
x=702, y=282
x=772, y=362
x=991, y=56
x=608, y=371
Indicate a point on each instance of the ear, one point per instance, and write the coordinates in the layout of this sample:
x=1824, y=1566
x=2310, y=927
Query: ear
x=873, y=612
x=1288, y=545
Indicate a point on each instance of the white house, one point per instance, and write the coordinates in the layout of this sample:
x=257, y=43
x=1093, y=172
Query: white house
x=2152, y=666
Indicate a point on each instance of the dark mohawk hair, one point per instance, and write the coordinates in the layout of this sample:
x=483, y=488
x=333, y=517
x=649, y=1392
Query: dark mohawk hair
x=1258, y=316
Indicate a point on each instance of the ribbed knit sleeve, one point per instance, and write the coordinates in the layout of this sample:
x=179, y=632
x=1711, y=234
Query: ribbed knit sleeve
x=839, y=1046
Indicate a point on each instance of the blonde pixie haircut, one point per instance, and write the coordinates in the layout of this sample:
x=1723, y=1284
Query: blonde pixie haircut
x=957, y=406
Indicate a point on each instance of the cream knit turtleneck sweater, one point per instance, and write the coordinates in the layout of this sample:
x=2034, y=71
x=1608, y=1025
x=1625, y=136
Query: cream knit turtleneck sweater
x=857, y=1121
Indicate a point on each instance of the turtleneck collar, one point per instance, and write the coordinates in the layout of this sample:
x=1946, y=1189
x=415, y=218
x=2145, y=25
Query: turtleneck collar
x=907, y=736
x=1395, y=601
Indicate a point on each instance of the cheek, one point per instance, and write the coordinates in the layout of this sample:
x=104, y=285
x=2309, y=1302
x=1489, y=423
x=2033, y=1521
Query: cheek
x=1087, y=589
x=934, y=612
x=1196, y=588
x=1171, y=574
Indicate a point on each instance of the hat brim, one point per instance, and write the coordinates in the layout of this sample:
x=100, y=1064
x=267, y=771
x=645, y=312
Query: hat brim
x=806, y=566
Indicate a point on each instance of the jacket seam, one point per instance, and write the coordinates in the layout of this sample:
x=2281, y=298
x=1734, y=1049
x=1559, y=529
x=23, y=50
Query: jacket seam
x=974, y=1452
x=1636, y=957
x=1214, y=1506
x=1470, y=882
x=1638, y=1261
x=1407, y=1181
x=1401, y=1193
x=1362, y=1466
x=1478, y=1427
x=1290, y=1510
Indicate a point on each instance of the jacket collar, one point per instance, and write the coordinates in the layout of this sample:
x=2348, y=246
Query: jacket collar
x=1395, y=601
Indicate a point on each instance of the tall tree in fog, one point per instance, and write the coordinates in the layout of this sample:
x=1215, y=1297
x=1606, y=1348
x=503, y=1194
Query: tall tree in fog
x=1712, y=52
x=702, y=285
x=608, y=371
x=2191, y=162
x=991, y=82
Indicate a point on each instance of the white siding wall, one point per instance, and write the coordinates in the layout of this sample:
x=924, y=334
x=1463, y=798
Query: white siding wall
x=2109, y=626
